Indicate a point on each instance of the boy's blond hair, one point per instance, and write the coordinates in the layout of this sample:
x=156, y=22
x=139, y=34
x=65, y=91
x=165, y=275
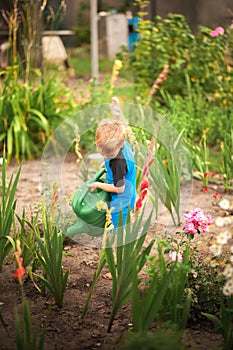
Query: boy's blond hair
x=110, y=137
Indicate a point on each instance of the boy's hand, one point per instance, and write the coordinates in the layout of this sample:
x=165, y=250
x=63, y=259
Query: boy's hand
x=93, y=186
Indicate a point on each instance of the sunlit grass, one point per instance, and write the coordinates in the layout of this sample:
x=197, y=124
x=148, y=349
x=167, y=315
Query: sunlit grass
x=80, y=60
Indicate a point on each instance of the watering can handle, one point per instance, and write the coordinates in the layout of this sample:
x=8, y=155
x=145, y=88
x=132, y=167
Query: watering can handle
x=97, y=176
x=79, y=196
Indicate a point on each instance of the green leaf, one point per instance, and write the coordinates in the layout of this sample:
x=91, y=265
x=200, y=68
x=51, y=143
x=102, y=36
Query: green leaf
x=216, y=321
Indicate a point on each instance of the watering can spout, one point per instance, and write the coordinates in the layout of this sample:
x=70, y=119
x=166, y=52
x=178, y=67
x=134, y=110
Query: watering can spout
x=82, y=227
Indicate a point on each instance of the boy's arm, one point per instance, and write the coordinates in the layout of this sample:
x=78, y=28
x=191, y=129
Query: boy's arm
x=106, y=187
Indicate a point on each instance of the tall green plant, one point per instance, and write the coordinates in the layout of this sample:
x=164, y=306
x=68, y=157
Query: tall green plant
x=25, y=233
x=29, y=113
x=201, y=160
x=7, y=208
x=19, y=120
x=227, y=160
x=147, y=303
x=163, y=296
x=177, y=301
x=30, y=106
x=166, y=175
x=129, y=259
x=50, y=257
x=26, y=339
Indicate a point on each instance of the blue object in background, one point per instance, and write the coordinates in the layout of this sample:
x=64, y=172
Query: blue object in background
x=133, y=35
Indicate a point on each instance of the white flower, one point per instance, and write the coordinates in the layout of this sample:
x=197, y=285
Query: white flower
x=220, y=222
x=228, y=271
x=1, y=161
x=174, y=256
x=228, y=220
x=223, y=238
x=226, y=291
x=224, y=204
x=216, y=249
x=214, y=263
x=115, y=99
x=228, y=288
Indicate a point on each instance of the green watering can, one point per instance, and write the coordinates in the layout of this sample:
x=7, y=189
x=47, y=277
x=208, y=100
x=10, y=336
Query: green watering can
x=90, y=220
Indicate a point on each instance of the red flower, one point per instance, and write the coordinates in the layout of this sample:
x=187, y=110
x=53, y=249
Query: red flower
x=138, y=204
x=206, y=174
x=150, y=162
x=143, y=194
x=205, y=190
x=20, y=272
x=55, y=199
x=145, y=171
x=144, y=185
x=215, y=195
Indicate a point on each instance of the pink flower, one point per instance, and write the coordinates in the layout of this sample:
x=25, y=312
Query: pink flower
x=174, y=256
x=189, y=227
x=218, y=31
x=196, y=220
x=213, y=33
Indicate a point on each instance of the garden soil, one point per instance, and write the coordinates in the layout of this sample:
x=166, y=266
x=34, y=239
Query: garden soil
x=65, y=329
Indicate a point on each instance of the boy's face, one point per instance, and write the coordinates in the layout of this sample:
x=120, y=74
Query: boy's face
x=110, y=149
x=111, y=154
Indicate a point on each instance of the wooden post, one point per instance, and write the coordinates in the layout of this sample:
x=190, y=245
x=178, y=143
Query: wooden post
x=94, y=40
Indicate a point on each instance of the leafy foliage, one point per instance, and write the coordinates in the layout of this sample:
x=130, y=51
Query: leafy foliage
x=29, y=114
x=7, y=208
x=50, y=257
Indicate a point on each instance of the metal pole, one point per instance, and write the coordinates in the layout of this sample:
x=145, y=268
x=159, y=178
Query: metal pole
x=94, y=40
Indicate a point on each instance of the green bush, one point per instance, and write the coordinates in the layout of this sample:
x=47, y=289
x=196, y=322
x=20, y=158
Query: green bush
x=205, y=283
